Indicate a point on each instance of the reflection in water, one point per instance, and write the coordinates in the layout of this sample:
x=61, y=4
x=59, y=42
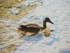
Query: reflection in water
x=47, y=32
x=11, y=48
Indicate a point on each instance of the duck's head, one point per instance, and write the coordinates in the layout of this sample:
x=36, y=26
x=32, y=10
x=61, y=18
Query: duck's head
x=48, y=20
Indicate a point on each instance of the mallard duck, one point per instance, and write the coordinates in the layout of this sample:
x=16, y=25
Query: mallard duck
x=33, y=29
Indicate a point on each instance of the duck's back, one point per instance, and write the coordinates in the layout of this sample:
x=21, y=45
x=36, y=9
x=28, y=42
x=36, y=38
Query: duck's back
x=33, y=25
x=30, y=28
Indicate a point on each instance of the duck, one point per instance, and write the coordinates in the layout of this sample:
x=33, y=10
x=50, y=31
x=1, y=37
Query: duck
x=33, y=29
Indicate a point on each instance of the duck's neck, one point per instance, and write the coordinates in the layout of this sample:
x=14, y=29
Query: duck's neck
x=44, y=24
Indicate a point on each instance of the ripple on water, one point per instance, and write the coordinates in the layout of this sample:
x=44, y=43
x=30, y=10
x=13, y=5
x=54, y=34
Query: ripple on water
x=52, y=41
x=64, y=51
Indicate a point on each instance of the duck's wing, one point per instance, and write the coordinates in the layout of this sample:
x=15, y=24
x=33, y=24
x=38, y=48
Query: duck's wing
x=33, y=26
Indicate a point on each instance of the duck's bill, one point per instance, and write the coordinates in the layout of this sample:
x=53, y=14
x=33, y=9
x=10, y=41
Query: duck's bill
x=51, y=22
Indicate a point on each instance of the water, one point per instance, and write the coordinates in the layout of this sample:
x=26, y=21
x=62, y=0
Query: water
x=57, y=42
